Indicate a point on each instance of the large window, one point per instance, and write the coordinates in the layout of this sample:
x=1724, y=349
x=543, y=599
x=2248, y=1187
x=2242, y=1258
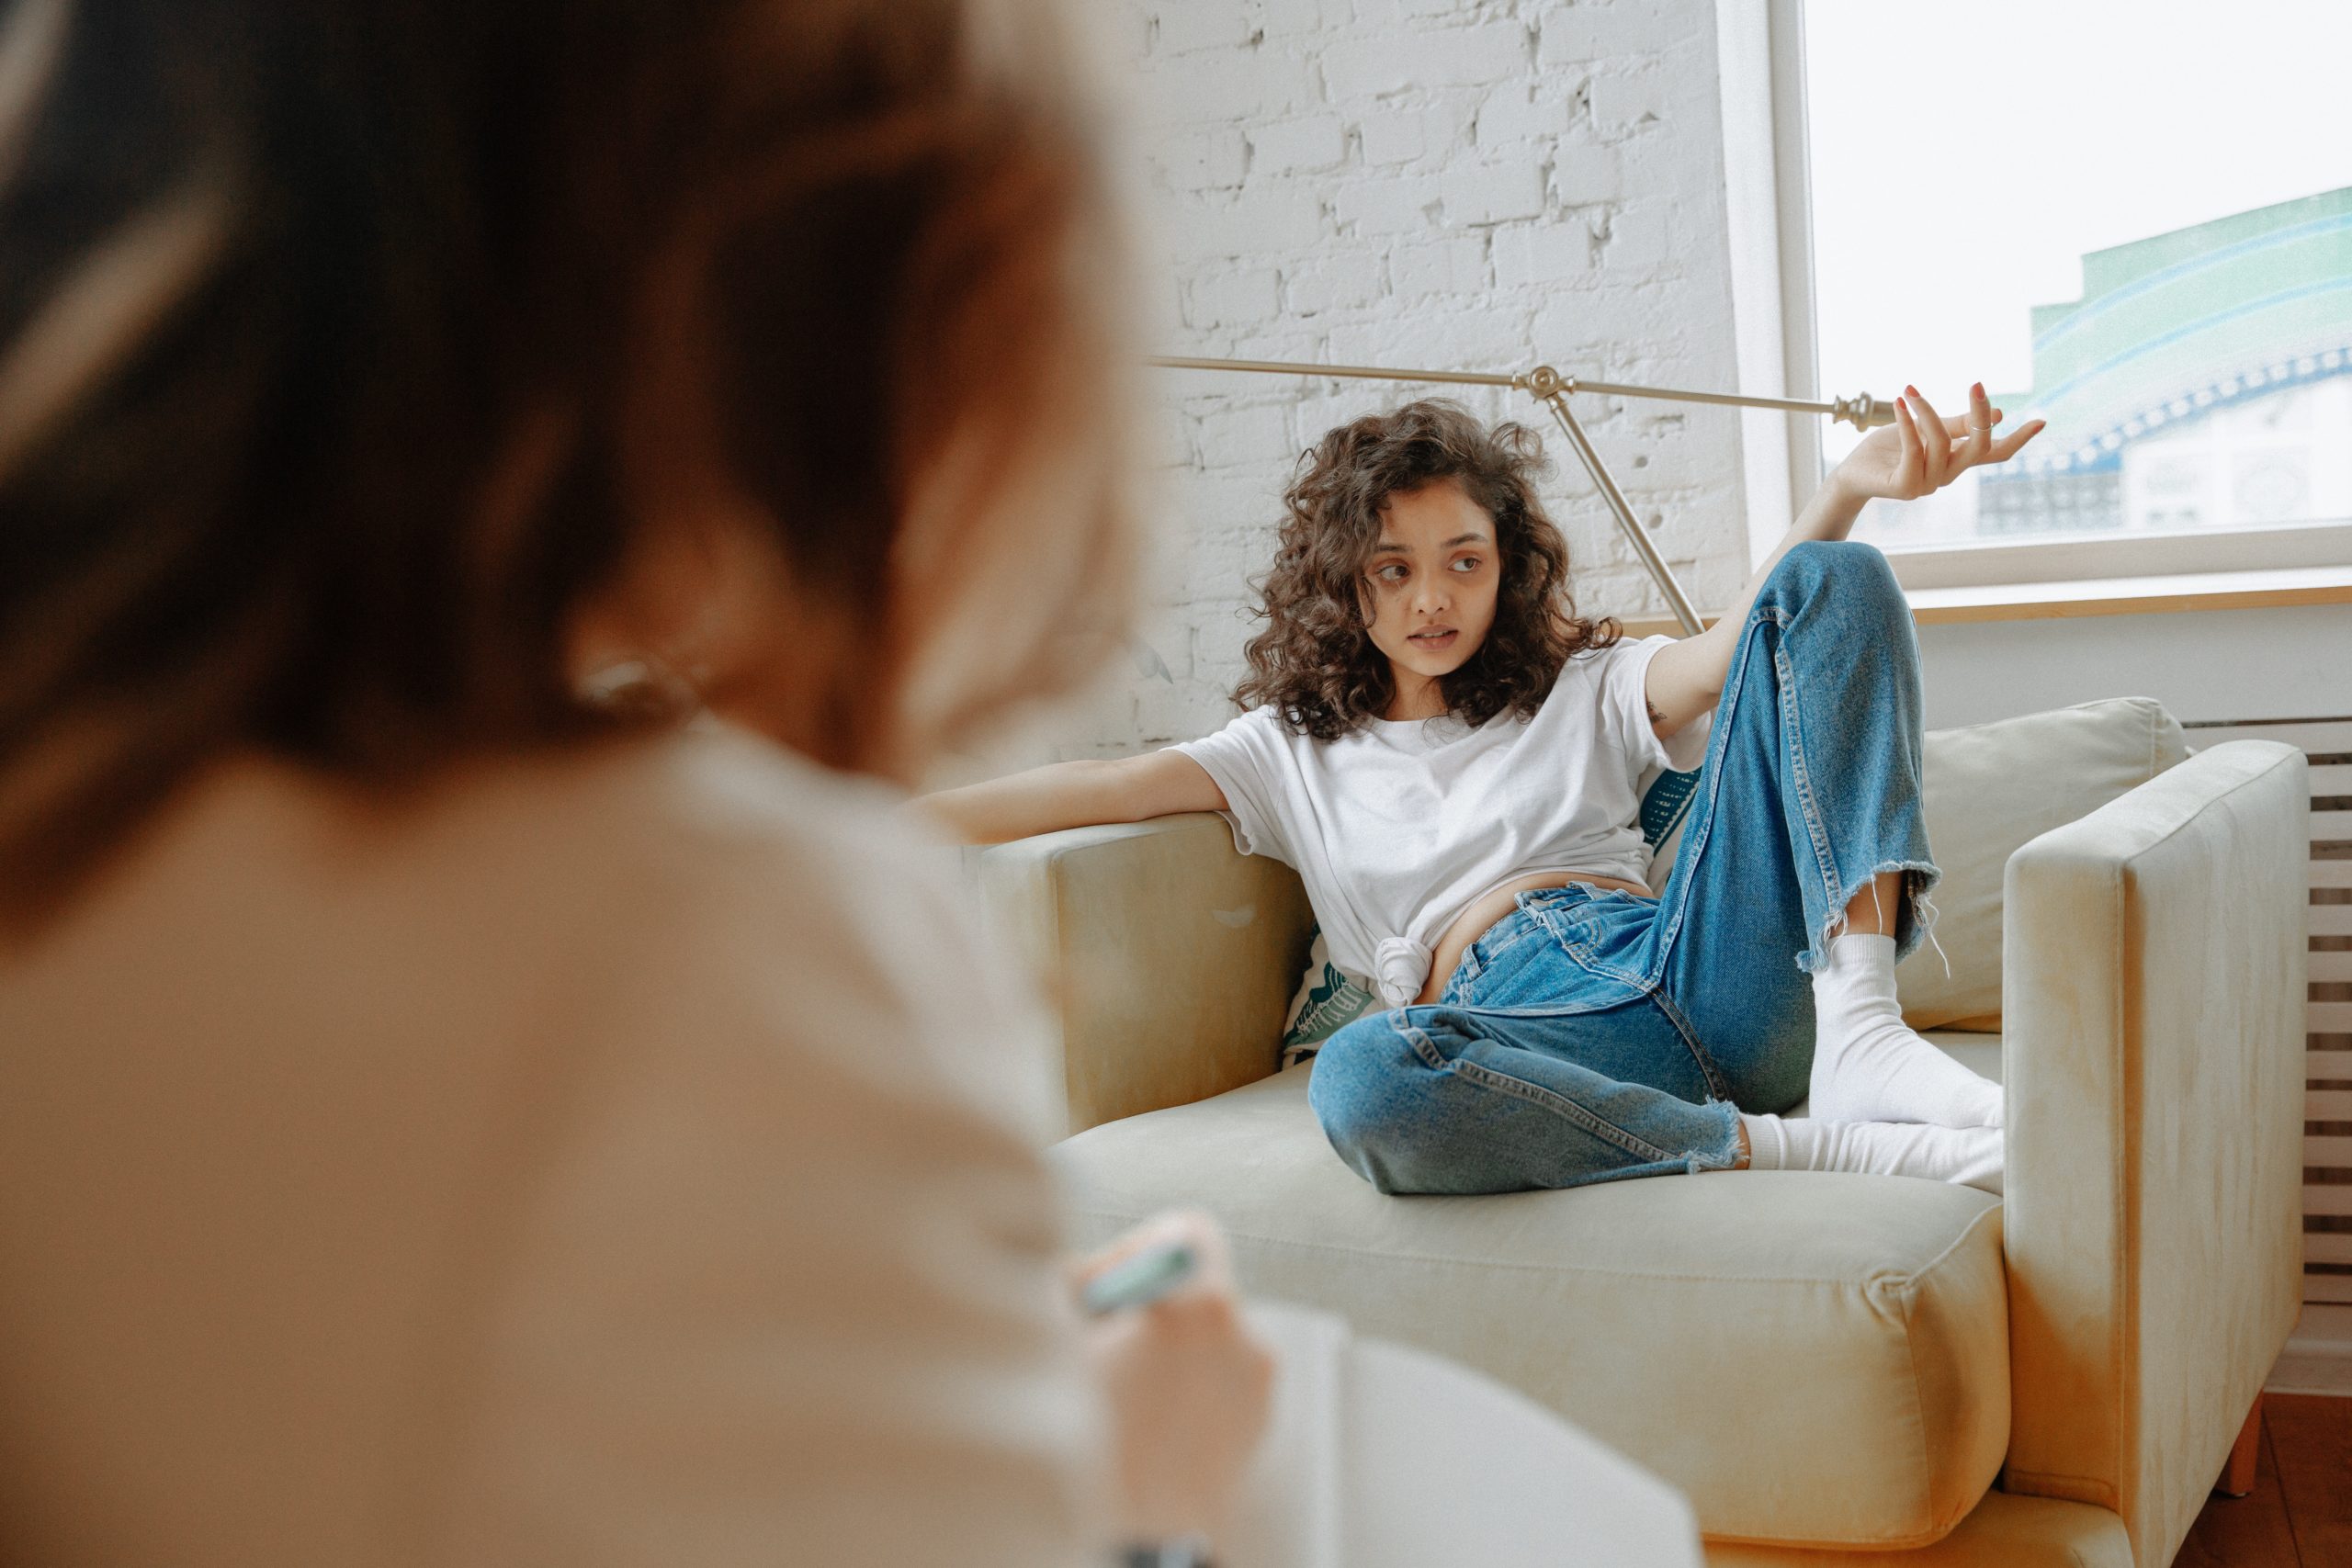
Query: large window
x=2133, y=220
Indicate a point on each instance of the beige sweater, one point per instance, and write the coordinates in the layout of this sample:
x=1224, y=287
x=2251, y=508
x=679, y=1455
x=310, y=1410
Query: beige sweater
x=619, y=1158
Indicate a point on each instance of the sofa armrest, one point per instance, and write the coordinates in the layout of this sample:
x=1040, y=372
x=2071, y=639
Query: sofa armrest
x=2154, y=983
x=1168, y=956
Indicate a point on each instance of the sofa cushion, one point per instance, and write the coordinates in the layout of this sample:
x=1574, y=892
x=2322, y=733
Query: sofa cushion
x=1991, y=788
x=1815, y=1358
x=2003, y=1532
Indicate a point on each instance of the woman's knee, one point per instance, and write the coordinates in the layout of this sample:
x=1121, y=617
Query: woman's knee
x=1849, y=564
x=1852, y=575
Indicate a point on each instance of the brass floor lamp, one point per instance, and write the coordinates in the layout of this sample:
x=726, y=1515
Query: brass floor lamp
x=1552, y=389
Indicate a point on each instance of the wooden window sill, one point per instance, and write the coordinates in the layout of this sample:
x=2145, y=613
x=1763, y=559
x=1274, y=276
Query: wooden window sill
x=2170, y=595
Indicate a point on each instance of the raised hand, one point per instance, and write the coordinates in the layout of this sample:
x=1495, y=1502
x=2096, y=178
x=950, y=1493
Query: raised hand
x=1921, y=453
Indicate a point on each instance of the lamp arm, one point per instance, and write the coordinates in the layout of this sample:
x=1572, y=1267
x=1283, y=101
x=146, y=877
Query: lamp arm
x=1862, y=411
x=1551, y=389
x=1635, y=534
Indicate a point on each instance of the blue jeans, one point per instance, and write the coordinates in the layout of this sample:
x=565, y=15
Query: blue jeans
x=1592, y=1035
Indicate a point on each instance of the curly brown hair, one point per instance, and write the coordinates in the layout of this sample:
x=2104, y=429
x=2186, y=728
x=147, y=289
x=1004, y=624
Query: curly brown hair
x=1316, y=662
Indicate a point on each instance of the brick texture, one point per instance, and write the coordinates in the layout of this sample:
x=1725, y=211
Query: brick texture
x=1475, y=184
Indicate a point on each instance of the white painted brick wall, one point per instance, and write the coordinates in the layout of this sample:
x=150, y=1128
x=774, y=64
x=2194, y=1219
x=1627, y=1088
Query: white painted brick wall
x=1482, y=184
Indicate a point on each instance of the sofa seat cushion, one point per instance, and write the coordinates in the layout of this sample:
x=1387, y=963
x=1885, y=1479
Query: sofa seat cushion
x=1815, y=1358
x=2002, y=1531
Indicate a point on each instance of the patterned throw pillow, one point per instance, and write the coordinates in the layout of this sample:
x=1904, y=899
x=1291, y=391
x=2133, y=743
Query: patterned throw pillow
x=1665, y=804
x=1327, y=1001
x=1328, y=998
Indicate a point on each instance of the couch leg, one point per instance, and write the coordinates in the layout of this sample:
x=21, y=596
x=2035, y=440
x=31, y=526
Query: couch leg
x=2238, y=1479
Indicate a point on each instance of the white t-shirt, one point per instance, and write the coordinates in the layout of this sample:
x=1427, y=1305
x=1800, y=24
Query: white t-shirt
x=1397, y=827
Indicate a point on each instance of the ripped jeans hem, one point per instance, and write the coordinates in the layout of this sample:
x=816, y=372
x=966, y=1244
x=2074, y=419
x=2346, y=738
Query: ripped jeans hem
x=1924, y=915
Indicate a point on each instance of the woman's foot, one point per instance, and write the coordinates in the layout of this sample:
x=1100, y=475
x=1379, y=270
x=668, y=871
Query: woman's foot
x=1969, y=1156
x=1868, y=1065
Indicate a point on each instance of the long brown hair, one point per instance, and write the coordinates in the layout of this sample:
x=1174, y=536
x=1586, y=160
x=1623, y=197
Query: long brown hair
x=348, y=347
x=1316, y=662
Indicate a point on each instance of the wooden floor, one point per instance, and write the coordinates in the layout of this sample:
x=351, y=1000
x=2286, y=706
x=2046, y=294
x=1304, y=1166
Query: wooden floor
x=2300, y=1513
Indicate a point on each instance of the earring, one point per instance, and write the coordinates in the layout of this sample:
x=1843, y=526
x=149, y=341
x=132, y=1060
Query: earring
x=645, y=689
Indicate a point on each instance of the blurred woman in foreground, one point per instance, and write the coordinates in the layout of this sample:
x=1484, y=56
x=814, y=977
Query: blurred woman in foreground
x=444, y=1119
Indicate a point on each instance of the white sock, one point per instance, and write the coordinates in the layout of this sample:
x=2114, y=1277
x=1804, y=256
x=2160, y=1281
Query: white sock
x=1968, y=1155
x=1868, y=1065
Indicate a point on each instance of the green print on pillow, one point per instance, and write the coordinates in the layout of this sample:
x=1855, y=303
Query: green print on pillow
x=1325, y=1002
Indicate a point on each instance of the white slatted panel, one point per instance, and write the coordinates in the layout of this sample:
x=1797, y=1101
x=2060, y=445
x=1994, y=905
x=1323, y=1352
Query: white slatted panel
x=2328, y=1245
x=2317, y=736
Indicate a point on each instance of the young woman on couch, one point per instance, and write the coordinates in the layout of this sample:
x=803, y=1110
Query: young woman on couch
x=1449, y=755
x=445, y=1119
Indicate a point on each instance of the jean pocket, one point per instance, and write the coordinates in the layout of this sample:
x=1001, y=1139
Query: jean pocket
x=1505, y=934
x=1567, y=893
x=1605, y=930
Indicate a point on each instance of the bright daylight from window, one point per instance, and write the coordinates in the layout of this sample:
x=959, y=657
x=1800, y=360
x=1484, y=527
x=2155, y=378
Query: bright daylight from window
x=2133, y=220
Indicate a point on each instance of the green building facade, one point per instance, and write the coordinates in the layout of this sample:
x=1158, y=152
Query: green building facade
x=2190, y=385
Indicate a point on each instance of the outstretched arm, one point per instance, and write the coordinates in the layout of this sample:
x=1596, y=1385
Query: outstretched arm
x=1074, y=795
x=1918, y=456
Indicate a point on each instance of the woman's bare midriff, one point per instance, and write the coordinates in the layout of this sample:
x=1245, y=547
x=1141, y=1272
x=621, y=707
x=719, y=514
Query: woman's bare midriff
x=1492, y=905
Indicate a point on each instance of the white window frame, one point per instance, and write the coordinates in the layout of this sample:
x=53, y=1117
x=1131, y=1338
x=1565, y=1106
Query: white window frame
x=1768, y=197
x=1759, y=46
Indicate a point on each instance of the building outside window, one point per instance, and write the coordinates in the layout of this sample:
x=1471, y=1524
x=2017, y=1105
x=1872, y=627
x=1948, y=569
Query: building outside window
x=2134, y=223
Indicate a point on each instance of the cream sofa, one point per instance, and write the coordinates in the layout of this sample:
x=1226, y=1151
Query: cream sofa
x=1835, y=1368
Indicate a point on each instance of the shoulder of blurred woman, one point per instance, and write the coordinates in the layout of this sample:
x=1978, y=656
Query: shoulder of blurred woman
x=716, y=852
x=578, y=893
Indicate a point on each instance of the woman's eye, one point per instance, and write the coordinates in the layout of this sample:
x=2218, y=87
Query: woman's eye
x=1467, y=564
x=1391, y=573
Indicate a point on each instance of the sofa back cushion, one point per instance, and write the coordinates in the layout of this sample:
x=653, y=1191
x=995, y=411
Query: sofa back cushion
x=1990, y=787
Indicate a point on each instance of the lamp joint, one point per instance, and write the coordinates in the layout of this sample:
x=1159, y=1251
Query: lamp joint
x=1545, y=383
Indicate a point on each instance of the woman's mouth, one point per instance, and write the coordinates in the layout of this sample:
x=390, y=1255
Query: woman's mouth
x=1435, y=638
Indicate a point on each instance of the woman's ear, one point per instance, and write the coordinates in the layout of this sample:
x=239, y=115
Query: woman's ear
x=697, y=605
